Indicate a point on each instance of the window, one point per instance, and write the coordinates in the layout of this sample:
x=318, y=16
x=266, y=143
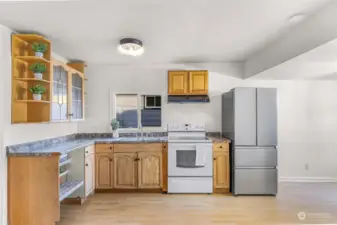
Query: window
x=77, y=93
x=133, y=111
x=60, y=94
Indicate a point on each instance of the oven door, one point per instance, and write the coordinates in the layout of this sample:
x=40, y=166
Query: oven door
x=190, y=159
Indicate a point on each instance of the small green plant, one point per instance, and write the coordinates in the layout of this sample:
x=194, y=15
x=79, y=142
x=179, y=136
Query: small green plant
x=38, y=67
x=39, y=47
x=114, y=124
x=37, y=89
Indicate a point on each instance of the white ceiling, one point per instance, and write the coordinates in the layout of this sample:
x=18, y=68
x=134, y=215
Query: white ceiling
x=317, y=64
x=173, y=31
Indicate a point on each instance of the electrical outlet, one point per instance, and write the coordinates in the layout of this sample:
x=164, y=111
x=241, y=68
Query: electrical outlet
x=306, y=166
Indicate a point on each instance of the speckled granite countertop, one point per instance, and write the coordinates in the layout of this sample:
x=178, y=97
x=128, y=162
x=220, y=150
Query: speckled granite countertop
x=71, y=145
x=66, y=144
x=218, y=139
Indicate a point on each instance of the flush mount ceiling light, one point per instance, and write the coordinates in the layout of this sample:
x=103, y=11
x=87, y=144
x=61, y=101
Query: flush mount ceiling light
x=131, y=46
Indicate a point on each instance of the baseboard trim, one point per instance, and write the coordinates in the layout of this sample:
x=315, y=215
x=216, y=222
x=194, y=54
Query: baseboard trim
x=309, y=179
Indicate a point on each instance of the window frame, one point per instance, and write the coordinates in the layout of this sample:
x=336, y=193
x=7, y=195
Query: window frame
x=139, y=95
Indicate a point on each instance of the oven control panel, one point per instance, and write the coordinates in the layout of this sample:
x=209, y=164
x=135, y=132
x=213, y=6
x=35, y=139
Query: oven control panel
x=186, y=127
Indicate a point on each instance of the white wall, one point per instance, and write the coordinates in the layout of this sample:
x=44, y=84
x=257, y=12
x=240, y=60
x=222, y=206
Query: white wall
x=17, y=133
x=306, y=111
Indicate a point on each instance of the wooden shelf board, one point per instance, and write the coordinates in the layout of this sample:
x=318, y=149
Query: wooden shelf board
x=32, y=79
x=27, y=122
x=32, y=38
x=33, y=101
x=31, y=59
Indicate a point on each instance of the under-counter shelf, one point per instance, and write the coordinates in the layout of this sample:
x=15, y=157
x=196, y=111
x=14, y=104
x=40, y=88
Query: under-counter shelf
x=65, y=162
x=64, y=173
x=69, y=187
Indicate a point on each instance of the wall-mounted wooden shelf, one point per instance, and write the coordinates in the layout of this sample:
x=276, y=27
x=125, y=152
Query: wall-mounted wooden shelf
x=33, y=101
x=32, y=59
x=24, y=108
x=32, y=79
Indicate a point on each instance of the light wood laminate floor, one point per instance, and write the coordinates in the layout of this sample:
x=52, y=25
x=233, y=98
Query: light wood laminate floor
x=317, y=200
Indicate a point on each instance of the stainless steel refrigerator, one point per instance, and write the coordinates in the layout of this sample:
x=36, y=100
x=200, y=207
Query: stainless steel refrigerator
x=249, y=119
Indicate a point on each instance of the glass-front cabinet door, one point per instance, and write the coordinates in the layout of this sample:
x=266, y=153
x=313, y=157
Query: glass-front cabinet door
x=77, y=97
x=60, y=94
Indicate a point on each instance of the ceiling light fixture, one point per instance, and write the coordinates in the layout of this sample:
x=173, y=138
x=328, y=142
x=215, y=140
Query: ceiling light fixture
x=131, y=46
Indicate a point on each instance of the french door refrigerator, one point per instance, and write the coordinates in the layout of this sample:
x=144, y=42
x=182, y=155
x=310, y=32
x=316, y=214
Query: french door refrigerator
x=249, y=119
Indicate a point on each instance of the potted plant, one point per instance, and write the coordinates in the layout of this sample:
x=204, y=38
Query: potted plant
x=38, y=69
x=39, y=48
x=114, y=127
x=37, y=91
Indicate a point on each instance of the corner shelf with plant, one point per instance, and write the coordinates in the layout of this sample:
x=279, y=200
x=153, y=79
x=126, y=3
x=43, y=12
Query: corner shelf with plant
x=31, y=78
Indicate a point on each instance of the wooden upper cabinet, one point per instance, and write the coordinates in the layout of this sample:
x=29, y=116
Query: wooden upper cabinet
x=188, y=82
x=221, y=171
x=150, y=169
x=104, y=171
x=125, y=176
x=198, y=82
x=177, y=82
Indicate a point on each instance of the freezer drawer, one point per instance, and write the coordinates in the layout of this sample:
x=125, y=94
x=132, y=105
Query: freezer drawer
x=255, y=181
x=255, y=157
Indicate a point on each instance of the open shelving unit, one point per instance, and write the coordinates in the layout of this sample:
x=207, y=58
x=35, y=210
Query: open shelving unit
x=68, y=188
x=24, y=108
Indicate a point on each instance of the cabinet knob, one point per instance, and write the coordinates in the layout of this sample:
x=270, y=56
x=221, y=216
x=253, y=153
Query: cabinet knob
x=110, y=159
x=110, y=148
x=214, y=158
x=86, y=164
x=220, y=146
x=86, y=152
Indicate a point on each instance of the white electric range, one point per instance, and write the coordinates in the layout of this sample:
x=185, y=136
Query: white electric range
x=190, y=160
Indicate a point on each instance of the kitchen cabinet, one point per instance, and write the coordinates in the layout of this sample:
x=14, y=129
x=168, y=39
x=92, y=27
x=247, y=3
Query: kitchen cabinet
x=198, y=82
x=134, y=166
x=89, y=174
x=177, y=82
x=104, y=170
x=125, y=170
x=150, y=169
x=221, y=168
x=188, y=82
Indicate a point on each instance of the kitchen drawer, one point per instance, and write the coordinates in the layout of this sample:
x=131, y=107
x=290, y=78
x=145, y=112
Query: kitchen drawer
x=255, y=181
x=89, y=150
x=101, y=148
x=143, y=147
x=222, y=146
x=255, y=157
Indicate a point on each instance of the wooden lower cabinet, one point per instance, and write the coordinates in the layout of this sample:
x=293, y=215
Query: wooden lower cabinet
x=125, y=170
x=221, y=171
x=150, y=169
x=104, y=171
x=131, y=166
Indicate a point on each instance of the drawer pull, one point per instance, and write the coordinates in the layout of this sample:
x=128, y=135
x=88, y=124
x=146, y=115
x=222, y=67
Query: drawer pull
x=110, y=148
x=220, y=146
x=86, y=152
